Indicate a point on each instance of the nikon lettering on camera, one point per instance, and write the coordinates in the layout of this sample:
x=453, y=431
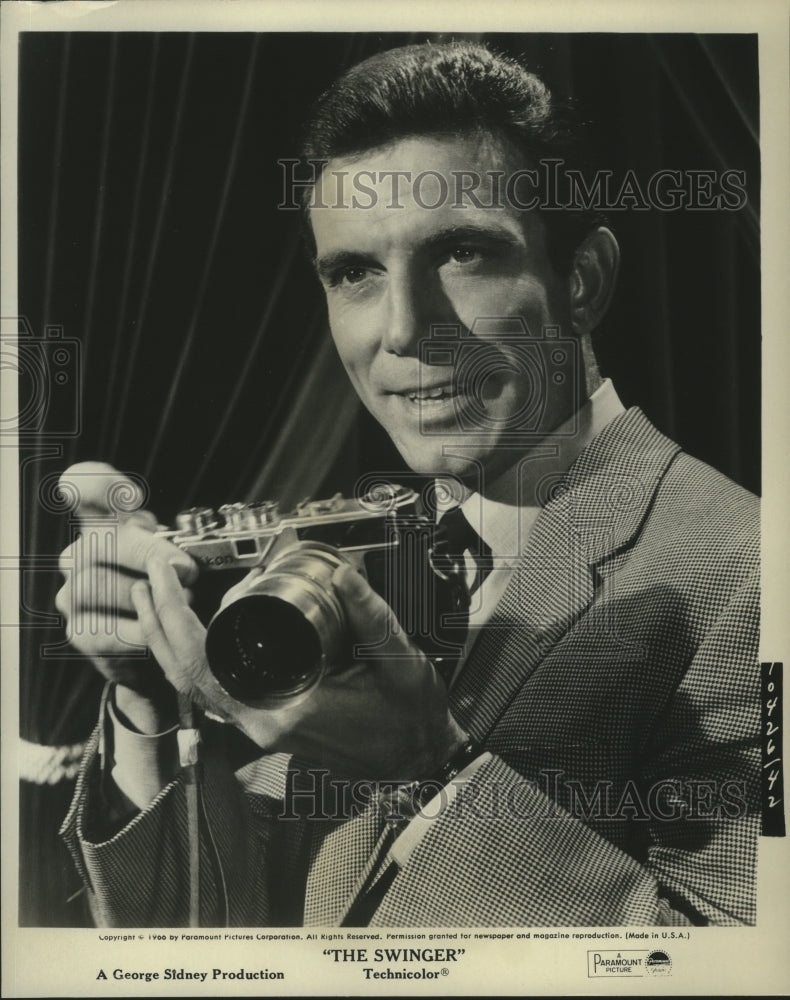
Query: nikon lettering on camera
x=283, y=627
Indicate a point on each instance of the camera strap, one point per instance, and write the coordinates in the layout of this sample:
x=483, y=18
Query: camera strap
x=189, y=759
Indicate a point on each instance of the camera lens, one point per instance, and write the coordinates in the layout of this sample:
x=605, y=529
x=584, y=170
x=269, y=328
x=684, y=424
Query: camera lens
x=277, y=637
x=262, y=646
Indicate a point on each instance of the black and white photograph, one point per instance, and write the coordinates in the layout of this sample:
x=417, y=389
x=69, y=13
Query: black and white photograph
x=386, y=581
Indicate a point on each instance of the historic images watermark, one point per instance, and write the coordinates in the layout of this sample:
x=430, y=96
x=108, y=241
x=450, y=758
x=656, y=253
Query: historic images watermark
x=316, y=795
x=549, y=186
x=48, y=370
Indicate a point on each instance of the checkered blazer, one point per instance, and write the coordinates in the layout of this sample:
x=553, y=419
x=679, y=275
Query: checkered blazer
x=616, y=687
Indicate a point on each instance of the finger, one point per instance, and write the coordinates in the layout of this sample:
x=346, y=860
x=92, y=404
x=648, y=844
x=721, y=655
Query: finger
x=124, y=547
x=179, y=625
x=151, y=628
x=371, y=619
x=105, y=635
x=176, y=668
x=99, y=590
x=145, y=518
x=137, y=547
x=189, y=669
x=97, y=488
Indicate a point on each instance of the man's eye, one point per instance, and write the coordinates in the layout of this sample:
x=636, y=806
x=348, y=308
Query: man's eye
x=464, y=255
x=352, y=275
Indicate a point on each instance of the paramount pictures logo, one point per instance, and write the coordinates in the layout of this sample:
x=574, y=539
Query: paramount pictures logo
x=628, y=962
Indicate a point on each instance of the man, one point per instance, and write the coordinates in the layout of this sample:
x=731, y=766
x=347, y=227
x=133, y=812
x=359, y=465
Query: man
x=593, y=757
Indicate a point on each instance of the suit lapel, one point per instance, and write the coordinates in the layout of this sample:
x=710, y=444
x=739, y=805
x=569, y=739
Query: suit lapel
x=342, y=856
x=594, y=514
x=551, y=585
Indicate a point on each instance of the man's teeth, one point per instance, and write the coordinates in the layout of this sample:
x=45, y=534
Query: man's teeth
x=441, y=393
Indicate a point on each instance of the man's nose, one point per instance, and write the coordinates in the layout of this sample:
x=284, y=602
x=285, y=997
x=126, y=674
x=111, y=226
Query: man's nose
x=416, y=303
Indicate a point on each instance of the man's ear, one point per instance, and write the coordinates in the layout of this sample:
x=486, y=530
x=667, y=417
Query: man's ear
x=592, y=279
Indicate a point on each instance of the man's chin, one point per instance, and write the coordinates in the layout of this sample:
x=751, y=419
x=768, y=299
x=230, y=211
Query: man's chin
x=444, y=459
x=475, y=465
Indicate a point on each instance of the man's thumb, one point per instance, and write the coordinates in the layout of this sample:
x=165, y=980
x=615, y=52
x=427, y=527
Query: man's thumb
x=371, y=619
x=94, y=488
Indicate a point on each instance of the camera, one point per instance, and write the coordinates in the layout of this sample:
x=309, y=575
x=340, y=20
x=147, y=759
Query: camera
x=279, y=631
x=48, y=380
x=495, y=350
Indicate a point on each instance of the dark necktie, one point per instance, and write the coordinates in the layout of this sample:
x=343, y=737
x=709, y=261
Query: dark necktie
x=462, y=538
x=454, y=537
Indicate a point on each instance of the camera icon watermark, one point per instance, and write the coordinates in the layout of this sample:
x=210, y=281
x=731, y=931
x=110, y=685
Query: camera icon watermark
x=495, y=379
x=48, y=377
x=376, y=491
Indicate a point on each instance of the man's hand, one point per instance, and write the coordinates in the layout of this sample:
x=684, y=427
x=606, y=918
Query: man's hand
x=100, y=568
x=384, y=719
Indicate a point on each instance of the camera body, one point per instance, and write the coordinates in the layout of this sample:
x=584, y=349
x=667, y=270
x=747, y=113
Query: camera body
x=282, y=628
x=246, y=536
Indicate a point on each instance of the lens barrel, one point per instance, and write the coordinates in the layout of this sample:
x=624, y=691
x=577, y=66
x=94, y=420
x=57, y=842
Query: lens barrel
x=278, y=637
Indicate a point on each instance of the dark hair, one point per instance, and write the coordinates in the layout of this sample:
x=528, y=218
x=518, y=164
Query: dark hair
x=454, y=89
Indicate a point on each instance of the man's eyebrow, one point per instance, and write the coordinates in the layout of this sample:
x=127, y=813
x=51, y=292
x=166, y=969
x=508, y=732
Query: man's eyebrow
x=474, y=232
x=328, y=263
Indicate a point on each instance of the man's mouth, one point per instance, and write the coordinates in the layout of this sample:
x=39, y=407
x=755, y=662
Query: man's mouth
x=438, y=393
x=435, y=395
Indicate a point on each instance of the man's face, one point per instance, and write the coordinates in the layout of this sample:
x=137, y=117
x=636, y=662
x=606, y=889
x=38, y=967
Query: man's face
x=392, y=275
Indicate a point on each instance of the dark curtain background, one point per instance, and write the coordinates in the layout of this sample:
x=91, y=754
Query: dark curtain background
x=179, y=332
